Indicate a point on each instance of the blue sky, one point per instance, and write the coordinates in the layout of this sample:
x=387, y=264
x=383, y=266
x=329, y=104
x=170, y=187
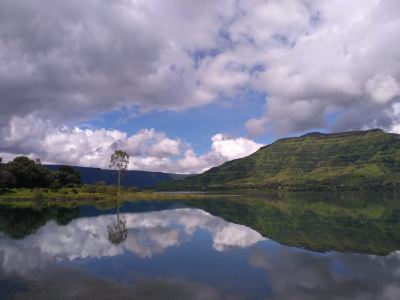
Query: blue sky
x=194, y=126
x=197, y=125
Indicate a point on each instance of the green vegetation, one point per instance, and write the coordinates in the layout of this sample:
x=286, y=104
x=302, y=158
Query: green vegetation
x=119, y=161
x=342, y=161
x=66, y=176
x=23, y=172
x=87, y=194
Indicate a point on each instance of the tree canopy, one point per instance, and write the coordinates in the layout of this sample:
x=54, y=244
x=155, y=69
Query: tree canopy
x=29, y=173
x=119, y=161
x=66, y=175
x=23, y=172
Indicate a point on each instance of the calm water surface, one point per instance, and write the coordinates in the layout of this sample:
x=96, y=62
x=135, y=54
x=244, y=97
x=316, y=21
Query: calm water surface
x=164, y=250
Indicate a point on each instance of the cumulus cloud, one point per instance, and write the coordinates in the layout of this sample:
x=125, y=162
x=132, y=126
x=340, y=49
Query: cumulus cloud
x=148, y=149
x=340, y=58
x=69, y=61
x=149, y=234
x=383, y=88
x=73, y=60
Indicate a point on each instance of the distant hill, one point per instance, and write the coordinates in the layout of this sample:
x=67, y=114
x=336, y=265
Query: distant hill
x=140, y=179
x=314, y=160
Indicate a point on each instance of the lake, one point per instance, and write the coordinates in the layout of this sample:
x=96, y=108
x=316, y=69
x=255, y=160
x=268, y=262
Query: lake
x=208, y=249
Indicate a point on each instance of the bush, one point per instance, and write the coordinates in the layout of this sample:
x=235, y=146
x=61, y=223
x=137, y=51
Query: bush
x=89, y=188
x=38, y=198
x=111, y=191
x=64, y=191
x=55, y=186
x=132, y=189
x=7, y=179
x=101, y=188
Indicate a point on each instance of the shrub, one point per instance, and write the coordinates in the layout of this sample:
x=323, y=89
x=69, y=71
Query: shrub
x=101, y=188
x=132, y=189
x=89, y=188
x=38, y=198
x=111, y=191
x=64, y=191
x=70, y=185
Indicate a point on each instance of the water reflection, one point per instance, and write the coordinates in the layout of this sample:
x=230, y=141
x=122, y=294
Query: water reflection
x=117, y=231
x=73, y=284
x=189, y=253
x=18, y=223
x=303, y=275
x=356, y=225
x=144, y=234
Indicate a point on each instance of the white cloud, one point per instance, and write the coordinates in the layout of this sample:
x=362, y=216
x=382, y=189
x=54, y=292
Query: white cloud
x=383, y=88
x=255, y=126
x=165, y=147
x=233, y=148
x=148, y=149
x=223, y=148
x=67, y=60
x=333, y=61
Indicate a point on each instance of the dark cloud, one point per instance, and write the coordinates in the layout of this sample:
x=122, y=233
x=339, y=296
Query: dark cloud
x=367, y=117
x=74, y=59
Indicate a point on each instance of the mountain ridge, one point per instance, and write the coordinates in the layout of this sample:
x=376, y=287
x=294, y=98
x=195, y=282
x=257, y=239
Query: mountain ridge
x=354, y=158
x=139, y=179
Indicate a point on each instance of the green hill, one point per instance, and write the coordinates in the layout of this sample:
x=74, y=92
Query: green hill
x=313, y=161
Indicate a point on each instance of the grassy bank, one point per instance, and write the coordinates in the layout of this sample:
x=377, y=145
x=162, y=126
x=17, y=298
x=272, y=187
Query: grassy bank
x=85, y=195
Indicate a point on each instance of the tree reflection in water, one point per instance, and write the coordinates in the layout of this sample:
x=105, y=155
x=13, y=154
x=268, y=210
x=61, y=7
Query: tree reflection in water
x=117, y=231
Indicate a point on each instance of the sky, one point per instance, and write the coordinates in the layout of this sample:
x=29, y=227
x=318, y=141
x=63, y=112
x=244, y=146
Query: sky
x=186, y=85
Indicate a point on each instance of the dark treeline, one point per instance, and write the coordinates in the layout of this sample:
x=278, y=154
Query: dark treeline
x=23, y=172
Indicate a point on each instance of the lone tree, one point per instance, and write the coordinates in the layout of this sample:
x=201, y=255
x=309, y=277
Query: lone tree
x=119, y=162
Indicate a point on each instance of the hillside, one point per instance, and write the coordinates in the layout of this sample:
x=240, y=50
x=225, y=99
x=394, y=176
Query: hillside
x=358, y=158
x=139, y=179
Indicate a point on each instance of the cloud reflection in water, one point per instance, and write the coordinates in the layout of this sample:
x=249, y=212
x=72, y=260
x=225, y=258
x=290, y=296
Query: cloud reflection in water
x=148, y=234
